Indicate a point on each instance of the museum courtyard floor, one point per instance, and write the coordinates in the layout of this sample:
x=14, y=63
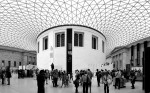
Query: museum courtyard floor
x=29, y=85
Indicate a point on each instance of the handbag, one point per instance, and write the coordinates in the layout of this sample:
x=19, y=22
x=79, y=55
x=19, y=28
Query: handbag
x=75, y=81
x=109, y=81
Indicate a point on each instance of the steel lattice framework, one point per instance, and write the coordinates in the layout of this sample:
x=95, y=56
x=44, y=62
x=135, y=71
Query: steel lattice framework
x=121, y=21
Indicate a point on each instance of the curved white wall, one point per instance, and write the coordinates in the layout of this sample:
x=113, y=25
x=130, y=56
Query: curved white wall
x=82, y=57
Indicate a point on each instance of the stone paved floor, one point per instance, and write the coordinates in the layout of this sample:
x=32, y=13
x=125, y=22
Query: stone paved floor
x=29, y=85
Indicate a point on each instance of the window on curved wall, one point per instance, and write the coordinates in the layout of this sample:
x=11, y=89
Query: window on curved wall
x=38, y=46
x=3, y=63
x=78, y=39
x=9, y=63
x=14, y=63
x=45, y=43
x=60, y=39
x=94, y=42
x=19, y=63
x=103, y=46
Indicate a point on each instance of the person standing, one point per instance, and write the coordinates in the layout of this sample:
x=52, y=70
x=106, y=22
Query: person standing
x=118, y=76
x=102, y=74
x=0, y=74
x=63, y=78
x=49, y=74
x=52, y=66
x=55, y=77
x=84, y=77
x=3, y=76
x=98, y=77
x=46, y=76
x=76, y=82
x=86, y=81
x=71, y=77
x=41, y=81
x=133, y=78
x=107, y=80
x=89, y=78
x=8, y=75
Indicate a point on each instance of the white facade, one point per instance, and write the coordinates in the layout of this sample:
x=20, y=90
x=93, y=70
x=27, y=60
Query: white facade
x=108, y=66
x=82, y=57
x=122, y=55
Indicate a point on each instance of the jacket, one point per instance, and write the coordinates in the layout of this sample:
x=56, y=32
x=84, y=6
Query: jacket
x=85, y=77
x=106, y=78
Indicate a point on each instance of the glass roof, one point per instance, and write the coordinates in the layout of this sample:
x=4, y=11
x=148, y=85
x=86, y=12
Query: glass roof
x=121, y=21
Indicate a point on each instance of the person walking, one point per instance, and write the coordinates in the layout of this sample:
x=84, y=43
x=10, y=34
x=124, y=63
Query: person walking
x=76, y=82
x=41, y=82
x=86, y=80
x=107, y=80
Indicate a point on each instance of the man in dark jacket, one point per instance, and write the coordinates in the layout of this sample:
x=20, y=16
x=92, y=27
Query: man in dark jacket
x=98, y=77
x=41, y=82
x=8, y=75
x=52, y=66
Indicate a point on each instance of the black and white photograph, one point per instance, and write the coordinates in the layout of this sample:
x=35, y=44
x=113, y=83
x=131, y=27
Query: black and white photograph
x=74, y=46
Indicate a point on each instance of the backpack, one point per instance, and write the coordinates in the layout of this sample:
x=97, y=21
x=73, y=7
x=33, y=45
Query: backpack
x=76, y=82
x=88, y=80
x=99, y=74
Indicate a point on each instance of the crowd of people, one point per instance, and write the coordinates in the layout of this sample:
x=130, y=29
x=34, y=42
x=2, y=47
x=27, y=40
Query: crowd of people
x=119, y=77
x=26, y=73
x=54, y=75
x=82, y=78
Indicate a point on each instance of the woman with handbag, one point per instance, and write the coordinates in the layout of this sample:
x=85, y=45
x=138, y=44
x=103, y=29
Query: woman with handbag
x=107, y=80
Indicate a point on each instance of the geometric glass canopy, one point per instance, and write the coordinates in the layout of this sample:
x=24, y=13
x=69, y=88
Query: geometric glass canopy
x=121, y=21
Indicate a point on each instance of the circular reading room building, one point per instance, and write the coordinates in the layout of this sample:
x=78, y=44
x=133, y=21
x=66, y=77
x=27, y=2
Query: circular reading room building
x=71, y=47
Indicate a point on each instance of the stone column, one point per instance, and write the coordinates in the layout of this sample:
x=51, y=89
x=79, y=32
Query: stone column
x=135, y=56
x=132, y=56
x=138, y=54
